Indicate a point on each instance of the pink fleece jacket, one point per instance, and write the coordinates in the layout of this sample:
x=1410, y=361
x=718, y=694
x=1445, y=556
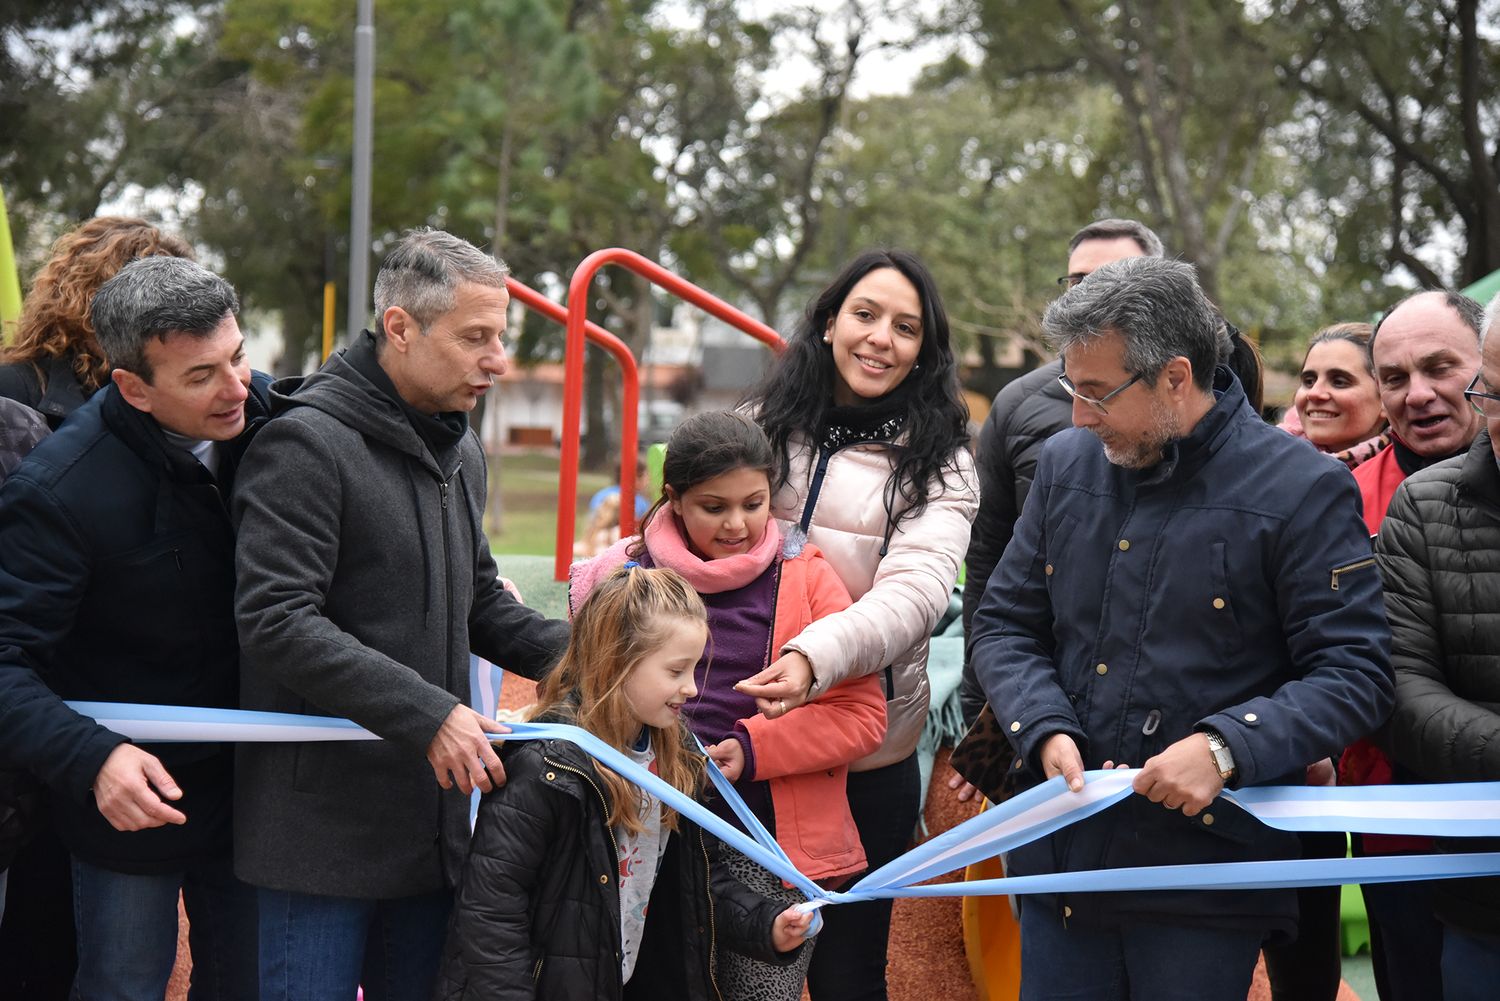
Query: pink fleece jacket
x=803, y=756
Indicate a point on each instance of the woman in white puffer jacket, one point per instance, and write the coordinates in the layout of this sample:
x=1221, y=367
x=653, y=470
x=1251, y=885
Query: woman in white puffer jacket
x=865, y=415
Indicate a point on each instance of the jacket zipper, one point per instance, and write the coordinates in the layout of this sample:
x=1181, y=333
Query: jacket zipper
x=604, y=805
x=713, y=931
x=1360, y=565
x=814, y=489
x=448, y=647
x=815, y=486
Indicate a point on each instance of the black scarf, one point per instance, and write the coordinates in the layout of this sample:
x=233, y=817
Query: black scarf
x=441, y=433
x=880, y=419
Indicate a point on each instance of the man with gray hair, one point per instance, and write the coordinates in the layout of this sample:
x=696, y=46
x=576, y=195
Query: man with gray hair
x=117, y=585
x=365, y=580
x=1189, y=591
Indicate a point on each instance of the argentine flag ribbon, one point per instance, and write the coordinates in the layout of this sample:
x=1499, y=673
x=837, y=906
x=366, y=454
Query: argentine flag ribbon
x=1467, y=809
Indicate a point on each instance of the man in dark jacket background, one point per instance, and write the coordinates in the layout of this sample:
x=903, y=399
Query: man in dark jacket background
x=117, y=585
x=1439, y=553
x=1027, y=412
x=365, y=580
x=1169, y=603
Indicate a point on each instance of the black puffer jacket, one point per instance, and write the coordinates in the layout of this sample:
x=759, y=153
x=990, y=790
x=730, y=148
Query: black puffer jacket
x=1439, y=553
x=537, y=913
x=1026, y=412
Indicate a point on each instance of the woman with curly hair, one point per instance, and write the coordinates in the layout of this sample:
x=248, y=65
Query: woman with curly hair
x=54, y=363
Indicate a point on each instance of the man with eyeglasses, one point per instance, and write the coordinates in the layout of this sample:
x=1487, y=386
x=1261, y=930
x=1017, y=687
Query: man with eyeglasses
x=1189, y=591
x=1026, y=412
x=1439, y=553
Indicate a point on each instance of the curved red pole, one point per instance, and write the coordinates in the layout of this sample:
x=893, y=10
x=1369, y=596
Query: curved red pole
x=577, y=321
x=629, y=399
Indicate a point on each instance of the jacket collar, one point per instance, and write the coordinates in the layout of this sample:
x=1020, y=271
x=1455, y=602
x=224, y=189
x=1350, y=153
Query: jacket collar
x=1480, y=476
x=1182, y=457
x=144, y=436
x=340, y=390
x=63, y=394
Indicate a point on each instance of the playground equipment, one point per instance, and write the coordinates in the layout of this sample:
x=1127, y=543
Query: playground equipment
x=577, y=325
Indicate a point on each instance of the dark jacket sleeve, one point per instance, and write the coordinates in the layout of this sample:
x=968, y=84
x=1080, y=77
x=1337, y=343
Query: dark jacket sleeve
x=490, y=934
x=287, y=504
x=501, y=629
x=992, y=530
x=44, y=573
x=744, y=917
x=1023, y=417
x=1436, y=733
x=1012, y=648
x=1336, y=635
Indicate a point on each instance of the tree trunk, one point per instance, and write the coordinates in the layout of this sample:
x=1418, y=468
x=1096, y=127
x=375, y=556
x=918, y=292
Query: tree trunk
x=594, y=453
x=495, y=502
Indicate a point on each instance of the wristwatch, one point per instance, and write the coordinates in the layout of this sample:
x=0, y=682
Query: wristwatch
x=1223, y=759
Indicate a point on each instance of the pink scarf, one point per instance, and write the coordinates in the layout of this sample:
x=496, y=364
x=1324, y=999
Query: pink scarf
x=668, y=546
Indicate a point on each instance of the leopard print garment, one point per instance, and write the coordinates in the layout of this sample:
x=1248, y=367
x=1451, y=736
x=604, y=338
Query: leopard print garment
x=743, y=979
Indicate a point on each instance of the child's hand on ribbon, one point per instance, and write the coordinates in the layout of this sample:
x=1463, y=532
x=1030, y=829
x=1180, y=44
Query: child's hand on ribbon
x=792, y=927
x=729, y=756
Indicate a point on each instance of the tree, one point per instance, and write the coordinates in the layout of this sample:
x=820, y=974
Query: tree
x=1416, y=85
x=89, y=91
x=1193, y=110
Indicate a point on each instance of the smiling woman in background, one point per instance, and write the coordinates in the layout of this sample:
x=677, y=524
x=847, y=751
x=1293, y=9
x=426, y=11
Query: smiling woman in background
x=1338, y=403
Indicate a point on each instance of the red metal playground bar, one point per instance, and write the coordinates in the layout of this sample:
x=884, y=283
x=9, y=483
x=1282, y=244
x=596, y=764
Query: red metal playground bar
x=577, y=329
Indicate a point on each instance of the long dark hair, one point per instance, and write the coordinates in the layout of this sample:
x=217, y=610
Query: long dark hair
x=796, y=394
x=704, y=446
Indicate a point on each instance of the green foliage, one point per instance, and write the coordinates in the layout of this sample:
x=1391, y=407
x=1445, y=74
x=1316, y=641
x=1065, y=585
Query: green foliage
x=1307, y=155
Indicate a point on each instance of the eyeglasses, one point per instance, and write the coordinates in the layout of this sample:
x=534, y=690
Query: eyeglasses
x=1488, y=404
x=1068, y=281
x=1098, y=404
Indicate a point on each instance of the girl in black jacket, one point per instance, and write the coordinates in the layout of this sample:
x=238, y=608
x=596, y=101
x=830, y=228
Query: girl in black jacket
x=567, y=855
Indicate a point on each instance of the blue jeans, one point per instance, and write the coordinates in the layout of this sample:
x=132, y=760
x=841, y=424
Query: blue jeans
x=1471, y=966
x=1146, y=962
x=127, y=933
x=322, y=948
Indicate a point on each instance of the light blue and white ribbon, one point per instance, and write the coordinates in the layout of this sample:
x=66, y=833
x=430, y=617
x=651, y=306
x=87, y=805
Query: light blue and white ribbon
x=1470, y=809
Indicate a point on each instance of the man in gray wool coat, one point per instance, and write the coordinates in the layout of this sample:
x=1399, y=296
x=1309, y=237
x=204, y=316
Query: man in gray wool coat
x=365, y=580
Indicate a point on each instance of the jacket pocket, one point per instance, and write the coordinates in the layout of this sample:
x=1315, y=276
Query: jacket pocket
x=1219, y=603
x=820, y=821
x=1348, y=568
x=1055, y=562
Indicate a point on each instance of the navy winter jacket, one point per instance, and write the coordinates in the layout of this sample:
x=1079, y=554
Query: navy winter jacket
x=117, y=585
x=1230, y=586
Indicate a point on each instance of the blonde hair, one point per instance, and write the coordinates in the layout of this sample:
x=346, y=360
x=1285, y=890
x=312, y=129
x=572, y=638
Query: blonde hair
x=55, y=321
x=625, y=618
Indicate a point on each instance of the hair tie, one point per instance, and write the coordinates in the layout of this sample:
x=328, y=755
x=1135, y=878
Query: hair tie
x=631, y=565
